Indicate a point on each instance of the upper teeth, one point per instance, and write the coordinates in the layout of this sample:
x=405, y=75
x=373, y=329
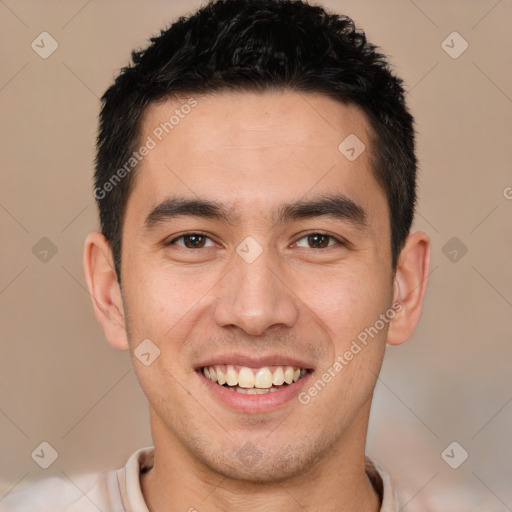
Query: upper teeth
x=262, y=378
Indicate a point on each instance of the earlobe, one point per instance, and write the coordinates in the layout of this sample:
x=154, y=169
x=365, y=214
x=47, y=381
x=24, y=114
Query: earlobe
x=409, y=287
x=104, y=289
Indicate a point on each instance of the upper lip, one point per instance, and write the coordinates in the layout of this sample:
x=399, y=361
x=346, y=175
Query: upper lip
x=254, y=361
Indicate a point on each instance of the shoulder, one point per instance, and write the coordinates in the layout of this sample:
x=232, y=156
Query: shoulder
x=82, y=493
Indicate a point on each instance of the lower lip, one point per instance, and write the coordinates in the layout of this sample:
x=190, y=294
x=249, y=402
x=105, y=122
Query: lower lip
x=254, y=403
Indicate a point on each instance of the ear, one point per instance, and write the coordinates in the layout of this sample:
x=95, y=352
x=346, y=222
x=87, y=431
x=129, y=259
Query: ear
x=104, y=289
x=410, y=285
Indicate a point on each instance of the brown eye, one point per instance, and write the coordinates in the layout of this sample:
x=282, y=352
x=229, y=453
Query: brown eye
x=317, y=241
x=191, y=241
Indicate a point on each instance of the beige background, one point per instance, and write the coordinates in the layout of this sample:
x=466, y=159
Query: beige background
x=63, y=384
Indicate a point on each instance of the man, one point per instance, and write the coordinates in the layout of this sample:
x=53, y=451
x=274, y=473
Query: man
x=256, y=185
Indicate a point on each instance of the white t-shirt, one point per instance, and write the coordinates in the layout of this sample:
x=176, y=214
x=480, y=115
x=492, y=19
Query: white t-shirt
x=119, y=490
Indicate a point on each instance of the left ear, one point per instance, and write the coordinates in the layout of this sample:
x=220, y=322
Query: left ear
x=410, y=285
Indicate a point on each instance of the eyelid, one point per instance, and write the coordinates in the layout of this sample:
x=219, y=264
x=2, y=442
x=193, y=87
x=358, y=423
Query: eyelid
x=189, y=233
x=340, y=241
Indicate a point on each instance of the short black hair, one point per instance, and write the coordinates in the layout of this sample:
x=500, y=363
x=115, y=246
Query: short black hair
x=258, y=45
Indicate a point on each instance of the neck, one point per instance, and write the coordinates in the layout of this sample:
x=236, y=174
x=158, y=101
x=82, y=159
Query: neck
x=337, y=481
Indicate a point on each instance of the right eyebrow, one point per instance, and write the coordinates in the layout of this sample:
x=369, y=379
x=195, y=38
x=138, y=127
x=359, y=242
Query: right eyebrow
x=181, y=206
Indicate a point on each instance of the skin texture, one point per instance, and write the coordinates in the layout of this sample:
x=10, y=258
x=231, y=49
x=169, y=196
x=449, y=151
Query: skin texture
x=253, y=153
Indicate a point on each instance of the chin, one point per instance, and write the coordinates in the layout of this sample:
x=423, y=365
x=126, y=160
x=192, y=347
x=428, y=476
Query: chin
x=265, y=465
x=269, y=472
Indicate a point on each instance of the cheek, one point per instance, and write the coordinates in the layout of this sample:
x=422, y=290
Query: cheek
x=166, y=305
x=350, y=305
x=157, y=297
x=163, y=308
x=347, y=303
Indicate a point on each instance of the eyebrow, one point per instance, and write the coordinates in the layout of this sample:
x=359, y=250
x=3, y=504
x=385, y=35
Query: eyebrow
x=337, y=206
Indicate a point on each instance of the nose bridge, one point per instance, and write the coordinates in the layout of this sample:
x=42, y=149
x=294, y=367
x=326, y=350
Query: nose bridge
x=254, y=296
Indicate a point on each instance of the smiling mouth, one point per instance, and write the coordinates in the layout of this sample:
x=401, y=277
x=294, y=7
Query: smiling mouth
x=253, y=381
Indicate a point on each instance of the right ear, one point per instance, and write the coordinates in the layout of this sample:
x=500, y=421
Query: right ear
x=105, y=290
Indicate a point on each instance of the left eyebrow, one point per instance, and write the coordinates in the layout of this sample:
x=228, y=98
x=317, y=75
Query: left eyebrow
x=337, y=206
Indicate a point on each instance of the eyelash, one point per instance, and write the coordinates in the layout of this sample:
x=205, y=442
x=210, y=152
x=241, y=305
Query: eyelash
x=194, y=233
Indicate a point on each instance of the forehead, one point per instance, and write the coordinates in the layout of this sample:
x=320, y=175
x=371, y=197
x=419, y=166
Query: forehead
x=255, y=150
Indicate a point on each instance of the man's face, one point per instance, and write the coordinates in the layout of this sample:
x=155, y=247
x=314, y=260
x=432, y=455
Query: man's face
x=259, y=282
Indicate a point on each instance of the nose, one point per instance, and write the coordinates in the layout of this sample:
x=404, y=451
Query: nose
x=256, y=297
